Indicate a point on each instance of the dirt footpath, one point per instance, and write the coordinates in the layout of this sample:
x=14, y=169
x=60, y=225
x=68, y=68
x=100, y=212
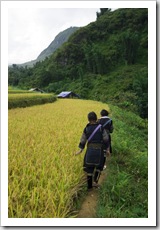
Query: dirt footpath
x=88, y=208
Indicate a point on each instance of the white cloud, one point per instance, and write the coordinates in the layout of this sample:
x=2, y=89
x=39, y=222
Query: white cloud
x=31, y=30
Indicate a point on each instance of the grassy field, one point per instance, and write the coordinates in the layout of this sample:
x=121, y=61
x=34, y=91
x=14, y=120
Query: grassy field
x=20, y=98
x=124, y=193
x=44, y=174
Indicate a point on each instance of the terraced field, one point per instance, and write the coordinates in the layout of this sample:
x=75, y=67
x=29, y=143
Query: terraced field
x=44, y=173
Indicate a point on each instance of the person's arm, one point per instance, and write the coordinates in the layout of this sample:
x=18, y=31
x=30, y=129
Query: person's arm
x=82, y=143
x=78, y=152
x=111, y=127
x=105, y=138
x=106, y=141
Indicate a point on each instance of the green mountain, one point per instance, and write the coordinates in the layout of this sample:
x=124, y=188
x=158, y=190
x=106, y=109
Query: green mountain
x=106, y=60
x=55, y=44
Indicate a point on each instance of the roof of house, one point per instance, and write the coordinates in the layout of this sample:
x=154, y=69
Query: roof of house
x=67, y=93
x=36, y=89
x=64, y=94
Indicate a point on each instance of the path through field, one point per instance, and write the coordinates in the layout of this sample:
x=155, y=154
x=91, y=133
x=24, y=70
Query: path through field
x=88, y=207
x=41, y=145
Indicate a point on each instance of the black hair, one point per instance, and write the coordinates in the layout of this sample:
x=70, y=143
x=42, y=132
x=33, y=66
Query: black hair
x=104, y=112
x=92, y=116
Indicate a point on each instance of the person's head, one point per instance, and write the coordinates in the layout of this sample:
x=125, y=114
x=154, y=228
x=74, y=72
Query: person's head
x=92, y=117
x=104, y=113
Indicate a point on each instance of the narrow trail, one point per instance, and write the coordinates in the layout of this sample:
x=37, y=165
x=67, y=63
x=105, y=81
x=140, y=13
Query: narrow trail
x=88, y=208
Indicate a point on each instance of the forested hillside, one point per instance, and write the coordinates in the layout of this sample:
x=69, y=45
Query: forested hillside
x=106, y=60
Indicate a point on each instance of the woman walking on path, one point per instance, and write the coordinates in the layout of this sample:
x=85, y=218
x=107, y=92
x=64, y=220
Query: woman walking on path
x=107, y=124
x=95, y=136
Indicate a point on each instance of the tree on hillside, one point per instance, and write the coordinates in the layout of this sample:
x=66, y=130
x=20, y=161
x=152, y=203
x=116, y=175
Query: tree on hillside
x=130, y=44
x=140, y=87
x=103, y=11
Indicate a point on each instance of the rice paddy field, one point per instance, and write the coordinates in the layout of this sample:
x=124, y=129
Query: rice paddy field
x=20, y=98
x=44, y=173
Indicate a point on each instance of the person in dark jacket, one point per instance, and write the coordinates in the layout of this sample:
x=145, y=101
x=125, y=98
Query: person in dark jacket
x=107, y=124
x=94, y=157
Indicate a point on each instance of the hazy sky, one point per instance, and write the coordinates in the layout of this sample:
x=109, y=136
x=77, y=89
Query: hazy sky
x=33, y=25
x=30, y=31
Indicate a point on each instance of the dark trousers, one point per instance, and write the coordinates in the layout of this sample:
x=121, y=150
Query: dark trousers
x=104, y=150
x=110, y=147
x=93, y=174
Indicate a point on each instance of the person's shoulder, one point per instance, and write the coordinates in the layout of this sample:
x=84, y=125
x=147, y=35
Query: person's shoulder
x=87, y=125
x=102, y=120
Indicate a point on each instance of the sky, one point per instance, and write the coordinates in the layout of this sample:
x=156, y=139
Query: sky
x=31, y=30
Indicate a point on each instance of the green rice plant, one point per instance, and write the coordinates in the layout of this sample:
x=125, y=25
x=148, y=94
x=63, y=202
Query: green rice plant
x=18, y=91
x=29, y=99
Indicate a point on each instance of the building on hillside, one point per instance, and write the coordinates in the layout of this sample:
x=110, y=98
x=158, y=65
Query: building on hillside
x=37, y=90
x=67, y=94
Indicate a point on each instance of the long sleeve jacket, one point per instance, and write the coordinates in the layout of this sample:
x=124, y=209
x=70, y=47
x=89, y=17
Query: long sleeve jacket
x=100, y=137
x=109, y=127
